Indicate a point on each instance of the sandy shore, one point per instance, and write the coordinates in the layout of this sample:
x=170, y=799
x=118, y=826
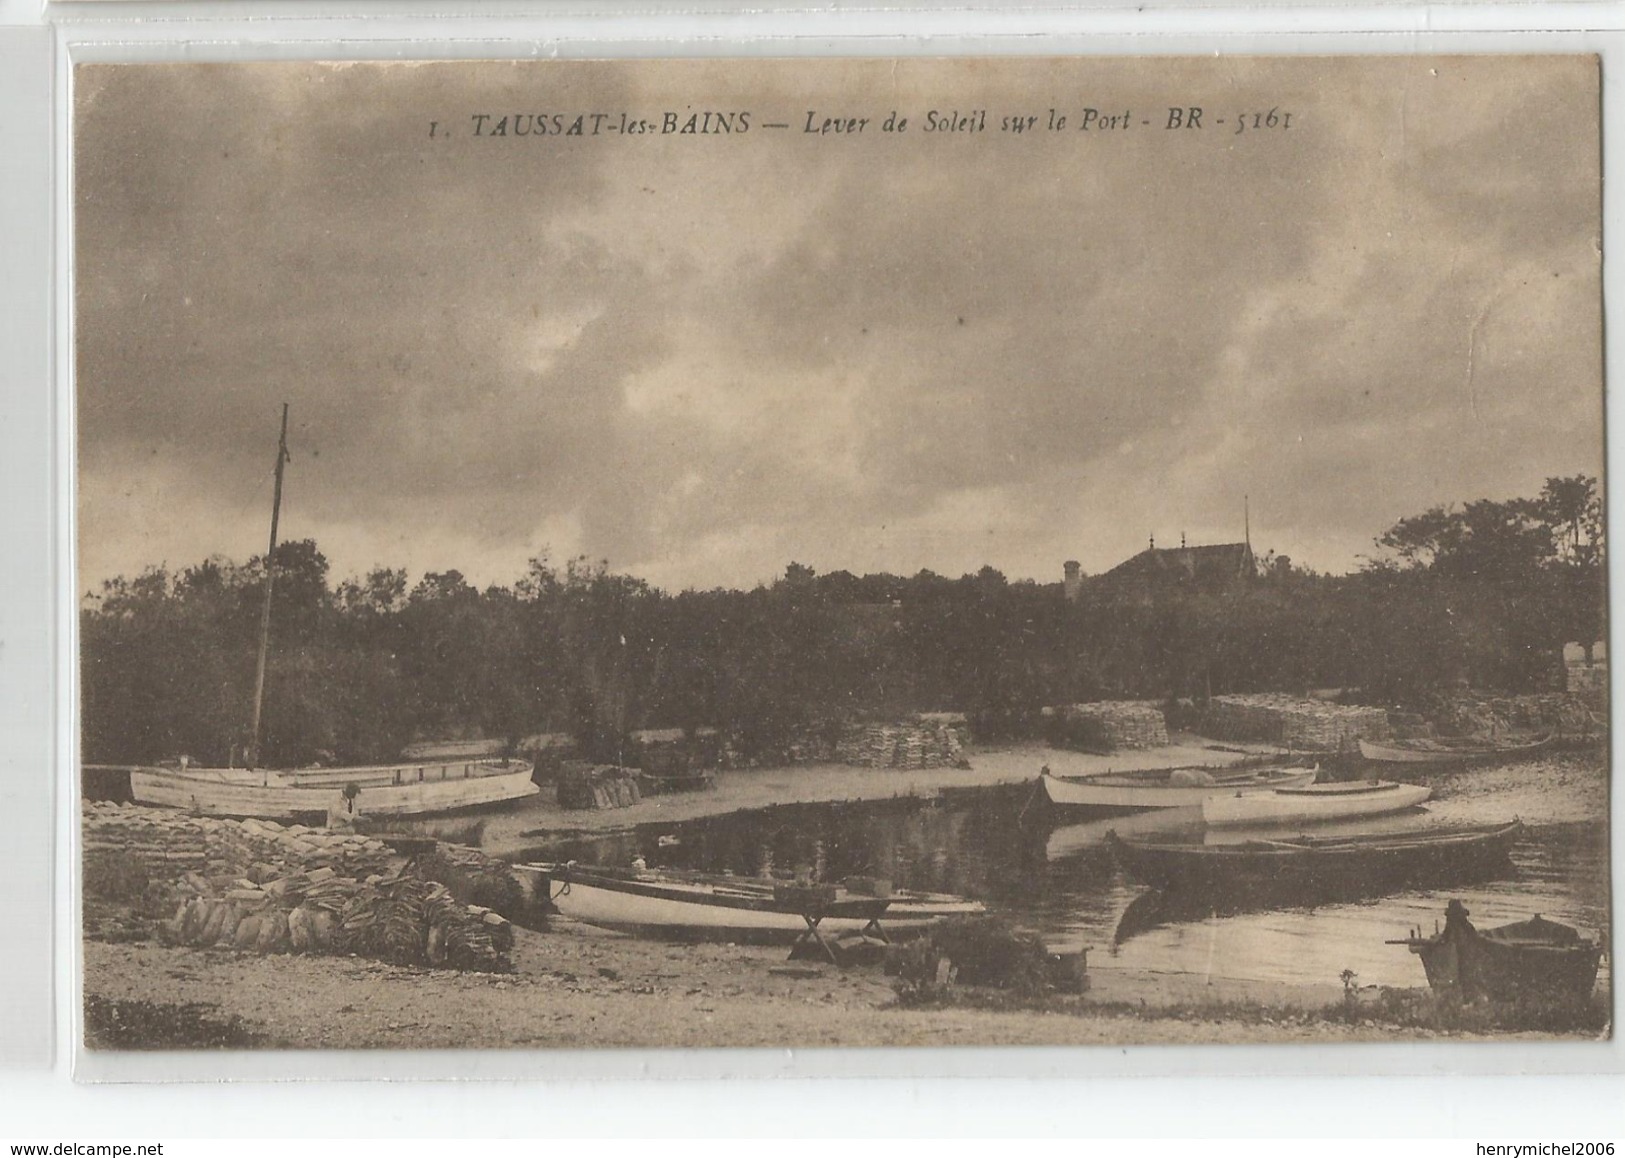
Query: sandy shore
x=515, y=828
x=575, y=986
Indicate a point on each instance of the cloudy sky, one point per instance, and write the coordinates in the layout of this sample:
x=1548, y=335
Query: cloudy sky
x=704, y=356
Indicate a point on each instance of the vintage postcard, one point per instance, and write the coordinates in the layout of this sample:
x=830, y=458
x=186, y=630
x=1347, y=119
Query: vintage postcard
x=996, y=551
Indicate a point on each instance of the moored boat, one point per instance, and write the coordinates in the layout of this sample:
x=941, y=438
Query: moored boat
x=1165, y=787
x=690, y=906
x=381, y=790
x=1312, y=803
x=1446, y=753
x=1535, y=961
x=1317, y=866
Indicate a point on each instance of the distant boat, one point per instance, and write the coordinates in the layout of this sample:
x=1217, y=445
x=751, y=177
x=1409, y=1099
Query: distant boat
x=660, y=783
x=407, y=789
x=382, y=790
x=1534, y=961
x=1314, y=866
x=1444, y=752
x=1312, y=803
x=1166, y=787
x=691, y=906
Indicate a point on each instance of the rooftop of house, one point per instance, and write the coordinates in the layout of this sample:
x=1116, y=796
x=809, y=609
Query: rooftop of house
x=1216, y=561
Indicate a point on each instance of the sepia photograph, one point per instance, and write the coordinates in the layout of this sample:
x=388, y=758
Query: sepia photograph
x=840, y=552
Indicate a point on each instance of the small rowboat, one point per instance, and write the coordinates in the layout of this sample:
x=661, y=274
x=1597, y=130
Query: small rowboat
x=690, y=906
x=1166, y=787
x=1535, y=961
x=1442, y=753
x=1312, y=803
x=1315, y=866
x=381, y=790
x=660, y=783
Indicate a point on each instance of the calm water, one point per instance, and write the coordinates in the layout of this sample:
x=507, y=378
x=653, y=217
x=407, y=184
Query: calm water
x=1001, y=847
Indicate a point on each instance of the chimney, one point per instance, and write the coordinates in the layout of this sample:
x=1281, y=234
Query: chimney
x=1074, y=580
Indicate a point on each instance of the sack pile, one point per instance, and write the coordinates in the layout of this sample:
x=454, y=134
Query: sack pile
x=237, y=845
x=402, y=919
x=172, y=843
x=168, y=843
x=916, y=745
x=583, y=785
x=473, y=878
x=1293, y=723
x=1114, y=724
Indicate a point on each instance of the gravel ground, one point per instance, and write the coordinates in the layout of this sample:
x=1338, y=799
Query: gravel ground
x=576, y=986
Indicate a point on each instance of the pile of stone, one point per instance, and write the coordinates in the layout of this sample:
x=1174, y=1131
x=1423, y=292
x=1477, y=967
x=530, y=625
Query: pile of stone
x=1110, y=725
x=919, y=744
x=1310, y=725
x=400, y=918
x=583, y=785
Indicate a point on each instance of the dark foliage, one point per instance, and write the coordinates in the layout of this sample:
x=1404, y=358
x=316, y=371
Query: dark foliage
x=1486, y=594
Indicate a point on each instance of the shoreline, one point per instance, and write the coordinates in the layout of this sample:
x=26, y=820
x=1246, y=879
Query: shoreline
x=579, y=987
x=508, y=833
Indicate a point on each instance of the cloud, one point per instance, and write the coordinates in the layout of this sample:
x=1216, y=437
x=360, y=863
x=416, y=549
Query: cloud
x=702, y=357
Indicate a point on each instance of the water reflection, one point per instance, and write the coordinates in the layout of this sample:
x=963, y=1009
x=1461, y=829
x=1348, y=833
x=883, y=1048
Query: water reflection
x=1063, y=883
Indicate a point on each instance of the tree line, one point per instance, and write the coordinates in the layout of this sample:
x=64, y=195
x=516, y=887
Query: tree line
x=1486, y=592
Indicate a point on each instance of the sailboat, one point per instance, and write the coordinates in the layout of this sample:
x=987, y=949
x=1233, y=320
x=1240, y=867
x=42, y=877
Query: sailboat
x=408, y=788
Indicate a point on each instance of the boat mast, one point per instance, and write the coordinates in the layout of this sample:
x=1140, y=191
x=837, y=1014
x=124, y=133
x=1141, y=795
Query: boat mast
x=253, y=755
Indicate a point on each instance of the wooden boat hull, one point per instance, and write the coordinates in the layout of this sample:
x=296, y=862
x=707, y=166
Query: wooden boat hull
x=1307, y=868
x=1311, y=804
x=1445, y=757
x=1533, y=962
x=391, y=790
x=722, y=909
x=1120, y=792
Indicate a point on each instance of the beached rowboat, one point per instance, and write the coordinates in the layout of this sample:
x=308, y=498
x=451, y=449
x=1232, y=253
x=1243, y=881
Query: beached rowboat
x=1536, y=961
x=1311, y=866
x=1166, y=788
x=1441, y=752
x=689, y=906
x=1312, y=803
x=381, y=790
